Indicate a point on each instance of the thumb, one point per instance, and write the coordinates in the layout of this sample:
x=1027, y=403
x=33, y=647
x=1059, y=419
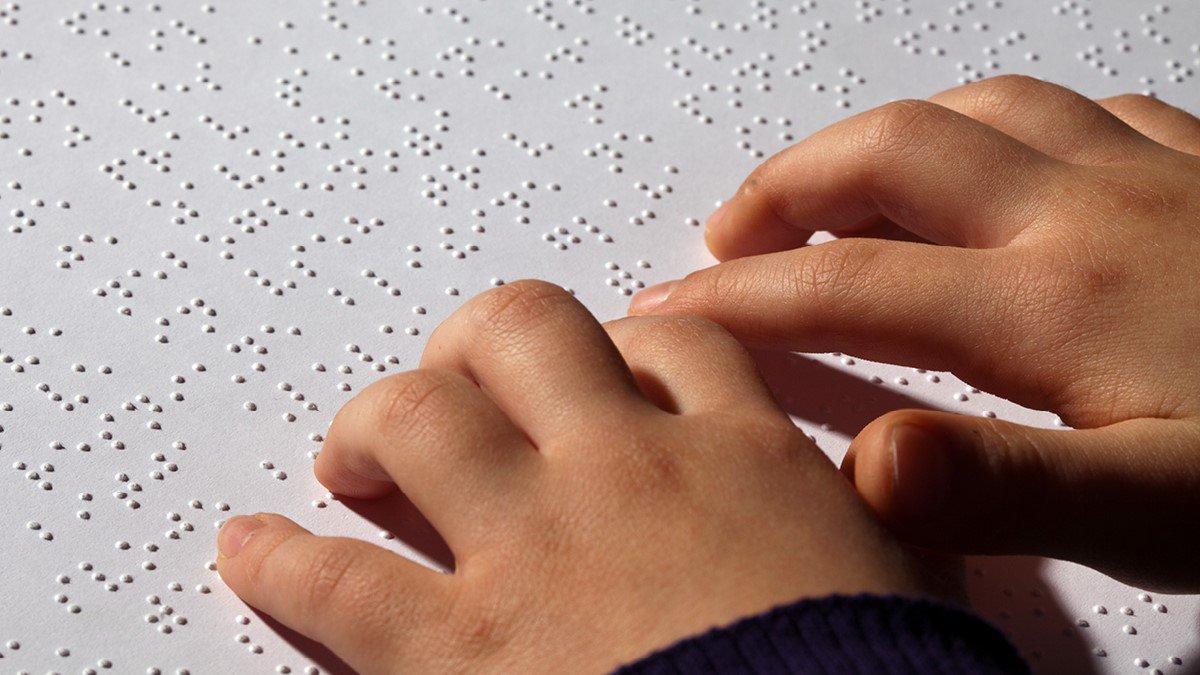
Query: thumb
x=1123, y=498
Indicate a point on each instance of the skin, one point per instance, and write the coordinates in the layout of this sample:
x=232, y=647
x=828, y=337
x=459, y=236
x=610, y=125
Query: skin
x=1042, y=246
x=647, y=488
x=1039, y=244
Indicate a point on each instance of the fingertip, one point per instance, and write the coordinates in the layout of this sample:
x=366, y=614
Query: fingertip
x=713, y=225
x=240, y=544
x=868, y=465
x=235, y=532
x=899, y=464
x=647, y=299
x=339, y=479
x=746, y=225
x=920, y=471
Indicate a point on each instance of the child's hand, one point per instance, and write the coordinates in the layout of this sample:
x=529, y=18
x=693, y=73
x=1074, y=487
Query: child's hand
x=594, y=514
x=1042, y=246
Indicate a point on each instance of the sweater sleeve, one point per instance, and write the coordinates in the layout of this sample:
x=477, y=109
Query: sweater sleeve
x=843, y=634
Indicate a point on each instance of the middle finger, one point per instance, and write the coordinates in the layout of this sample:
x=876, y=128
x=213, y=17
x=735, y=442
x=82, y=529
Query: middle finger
x=539, y=354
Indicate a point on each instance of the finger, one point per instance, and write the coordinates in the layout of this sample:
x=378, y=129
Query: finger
x=1121, y=498
x=433, y=433
x=1159, y=121
x=361, y=601
x=890, y=301
x=1047, y=117
x=691, y=365
x=748, y=224
x=539, y=355
x=945, y=177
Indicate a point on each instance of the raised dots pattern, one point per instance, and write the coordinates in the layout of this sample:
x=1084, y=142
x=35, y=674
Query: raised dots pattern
x=221, y=220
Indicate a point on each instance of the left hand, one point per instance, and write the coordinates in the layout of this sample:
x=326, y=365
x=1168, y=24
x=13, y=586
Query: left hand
x=605, y=491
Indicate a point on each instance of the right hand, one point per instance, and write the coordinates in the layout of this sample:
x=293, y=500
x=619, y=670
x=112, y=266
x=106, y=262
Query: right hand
x=1040, y=245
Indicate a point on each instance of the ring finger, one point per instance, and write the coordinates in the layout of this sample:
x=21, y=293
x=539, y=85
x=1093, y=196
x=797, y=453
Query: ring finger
x=1045, y=116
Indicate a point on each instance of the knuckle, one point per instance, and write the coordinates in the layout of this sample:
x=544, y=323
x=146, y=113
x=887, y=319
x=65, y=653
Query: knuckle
x=513, y=307
x=898, y=127
x=1016, y=83
x=1010, y=86
x=999, y=96
x=413, y=399
x=1135, y=102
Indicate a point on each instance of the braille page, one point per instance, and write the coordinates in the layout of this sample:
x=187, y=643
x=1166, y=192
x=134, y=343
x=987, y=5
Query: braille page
x=222, y=220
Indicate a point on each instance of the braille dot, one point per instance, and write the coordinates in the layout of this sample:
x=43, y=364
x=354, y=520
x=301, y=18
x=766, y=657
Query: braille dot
x=725, y=72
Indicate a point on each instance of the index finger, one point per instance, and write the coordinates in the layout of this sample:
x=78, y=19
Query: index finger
x=939, y=174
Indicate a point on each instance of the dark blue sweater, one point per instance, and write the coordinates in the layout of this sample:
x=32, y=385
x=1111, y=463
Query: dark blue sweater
x=844, y=634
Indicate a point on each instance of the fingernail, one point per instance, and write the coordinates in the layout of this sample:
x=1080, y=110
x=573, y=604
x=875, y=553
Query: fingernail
x=648, y=298
x=235, y=533
x=920, y=471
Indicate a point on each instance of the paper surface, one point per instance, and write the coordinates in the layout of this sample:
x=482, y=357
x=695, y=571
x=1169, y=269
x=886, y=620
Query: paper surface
x=221, y=220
